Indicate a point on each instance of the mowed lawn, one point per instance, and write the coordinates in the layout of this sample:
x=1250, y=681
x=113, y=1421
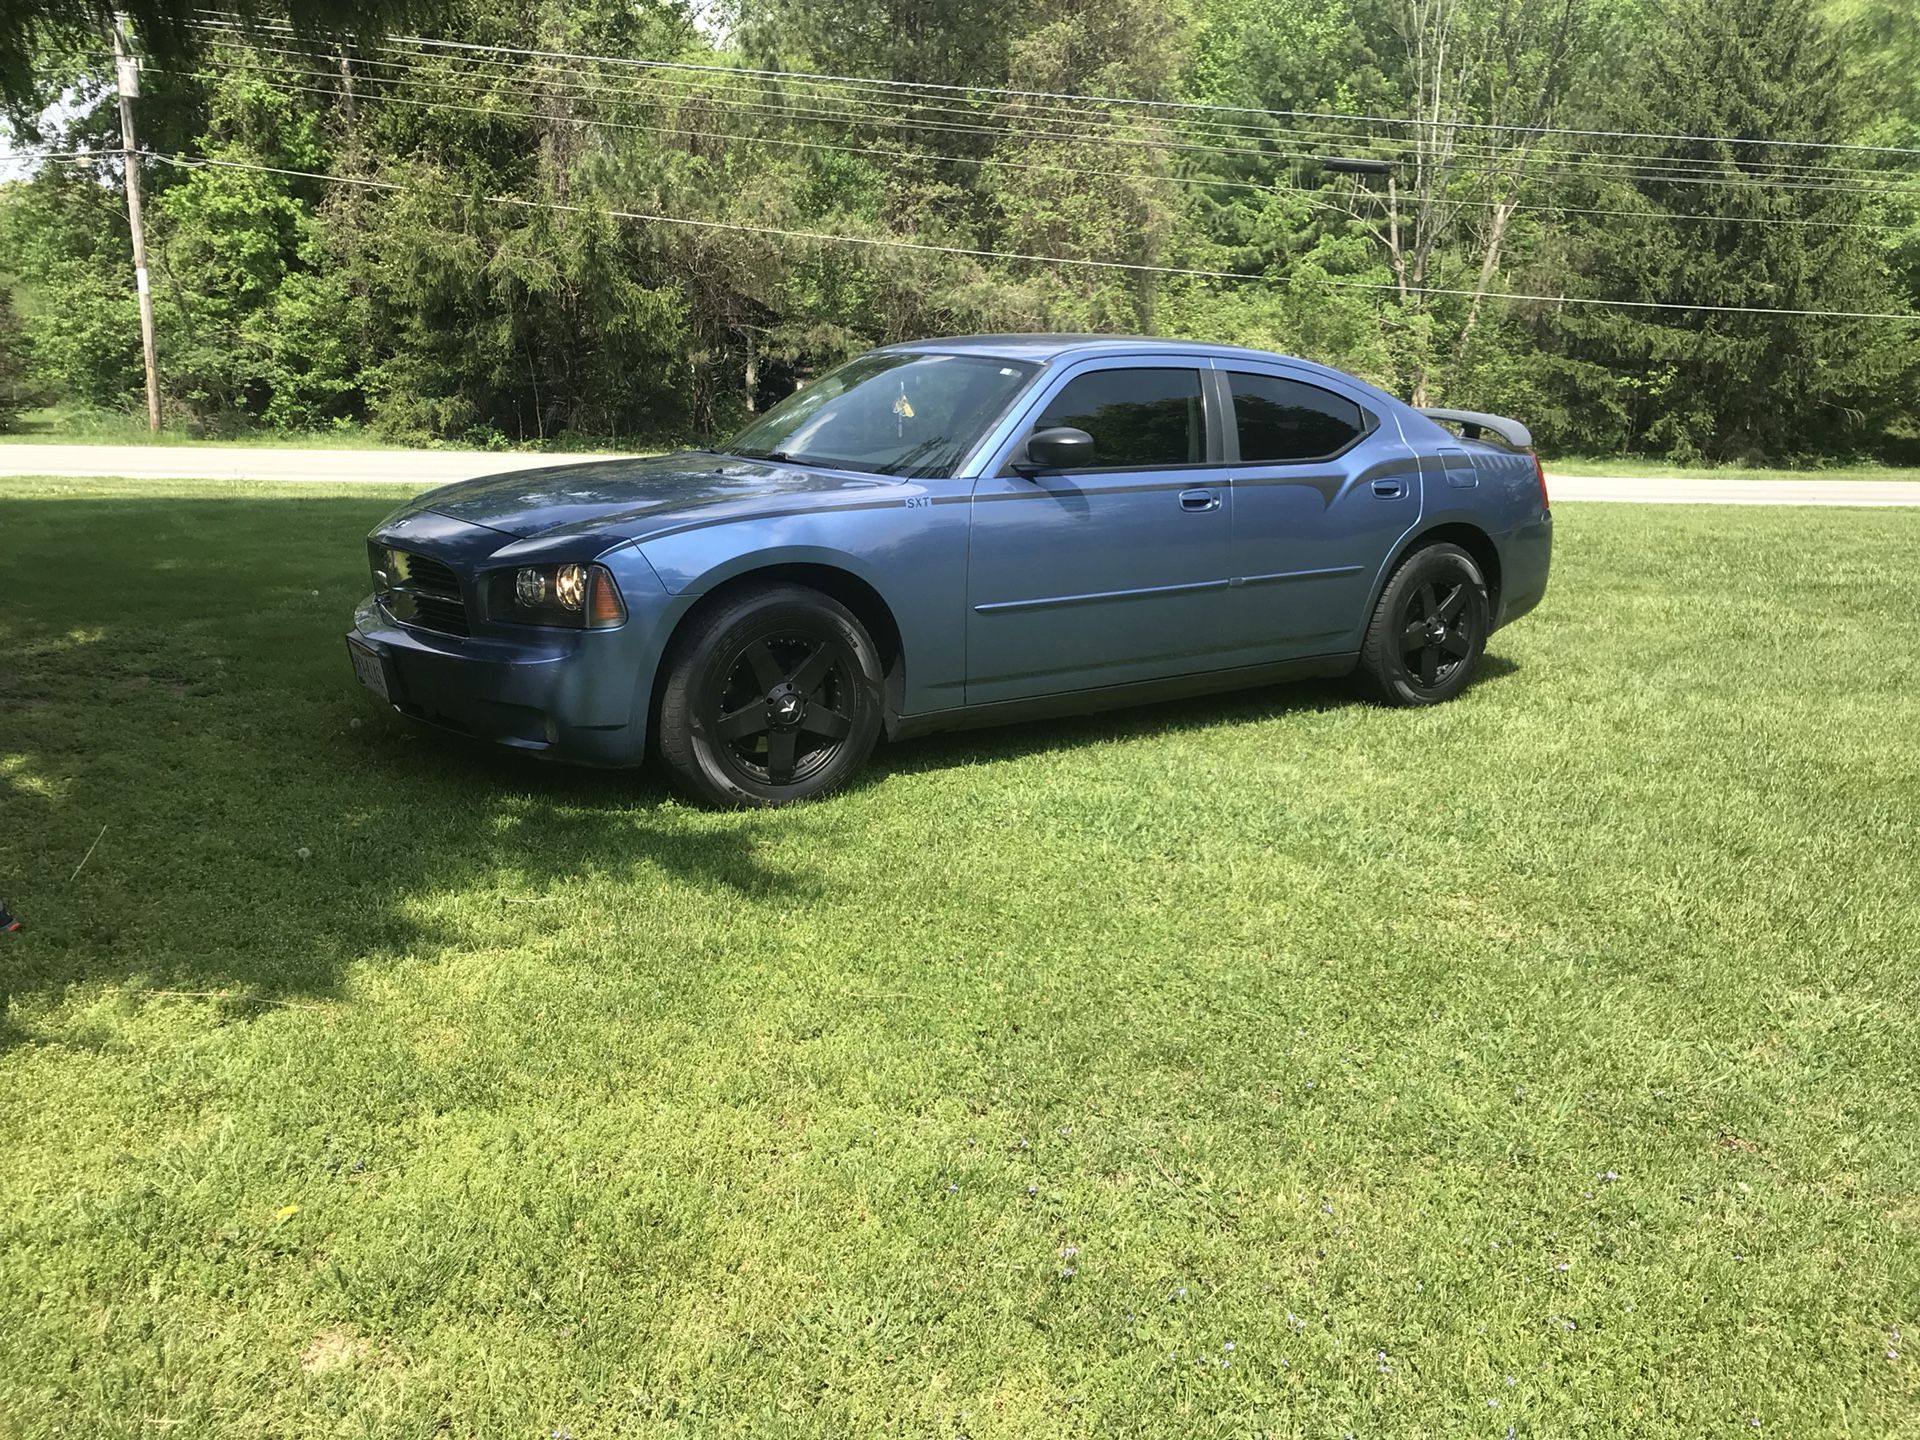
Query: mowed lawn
x=1543, y=1064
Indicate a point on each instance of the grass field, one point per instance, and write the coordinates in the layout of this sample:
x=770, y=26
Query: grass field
x=1539, y=1065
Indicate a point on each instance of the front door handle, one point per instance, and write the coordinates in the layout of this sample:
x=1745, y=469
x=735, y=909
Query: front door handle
x=1389, y=489
x=1199, y=501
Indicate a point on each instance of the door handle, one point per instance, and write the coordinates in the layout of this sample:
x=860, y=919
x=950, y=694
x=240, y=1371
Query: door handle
x=1199, y=501
x=1389, y=489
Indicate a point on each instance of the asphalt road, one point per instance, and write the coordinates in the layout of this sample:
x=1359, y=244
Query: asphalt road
x=426, y=468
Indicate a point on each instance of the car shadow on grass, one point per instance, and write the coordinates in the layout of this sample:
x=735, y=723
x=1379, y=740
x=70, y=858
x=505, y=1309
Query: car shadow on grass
x=944, y=750
x=196, y=797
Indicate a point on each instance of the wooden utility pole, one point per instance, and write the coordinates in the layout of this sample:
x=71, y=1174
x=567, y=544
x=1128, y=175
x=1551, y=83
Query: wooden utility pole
x=127, y=78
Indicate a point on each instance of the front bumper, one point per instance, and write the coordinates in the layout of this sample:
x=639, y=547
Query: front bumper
x=567, y=695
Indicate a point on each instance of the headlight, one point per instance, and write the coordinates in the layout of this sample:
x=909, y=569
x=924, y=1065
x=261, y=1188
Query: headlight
x=576, y=596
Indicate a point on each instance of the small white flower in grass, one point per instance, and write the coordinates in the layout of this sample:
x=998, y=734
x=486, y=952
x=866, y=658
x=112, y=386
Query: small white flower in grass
x=1893, y=1354
x=1033, y=1189
x=953, y=1189
x=1228, y=1346
x=1754, y=1422
x=304, y=853
x=1067, y=1274
x=1492, y=1404
x=1563, y=1267
x=1512, y=1381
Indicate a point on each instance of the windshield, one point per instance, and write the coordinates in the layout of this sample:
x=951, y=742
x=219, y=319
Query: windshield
x=897, y=414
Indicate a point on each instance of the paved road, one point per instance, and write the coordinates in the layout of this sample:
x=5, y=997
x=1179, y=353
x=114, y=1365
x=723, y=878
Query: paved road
x=425, y=468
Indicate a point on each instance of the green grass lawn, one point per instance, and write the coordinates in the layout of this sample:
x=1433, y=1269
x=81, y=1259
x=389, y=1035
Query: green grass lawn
x=1539, y=1065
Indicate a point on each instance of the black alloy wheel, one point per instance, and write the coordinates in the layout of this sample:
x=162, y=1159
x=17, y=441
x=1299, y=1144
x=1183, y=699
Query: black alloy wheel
x=1428, y=630
x=772, y=696
x=781, y=710
x=1436, y=637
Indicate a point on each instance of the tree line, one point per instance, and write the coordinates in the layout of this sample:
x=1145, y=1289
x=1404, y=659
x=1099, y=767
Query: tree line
x=473, y=227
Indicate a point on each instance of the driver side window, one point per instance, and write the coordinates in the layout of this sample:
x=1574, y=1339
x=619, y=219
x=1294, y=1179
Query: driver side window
x=1138, y=418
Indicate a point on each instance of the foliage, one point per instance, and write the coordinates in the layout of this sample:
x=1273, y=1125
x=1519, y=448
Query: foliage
x=14, y=395
x=476, y=262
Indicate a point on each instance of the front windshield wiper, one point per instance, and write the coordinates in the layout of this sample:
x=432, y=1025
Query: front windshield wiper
x=782, y=457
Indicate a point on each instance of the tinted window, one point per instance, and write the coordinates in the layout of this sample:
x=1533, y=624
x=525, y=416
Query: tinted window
x=900, y=413
x=1286, y=420
x=1136, y=417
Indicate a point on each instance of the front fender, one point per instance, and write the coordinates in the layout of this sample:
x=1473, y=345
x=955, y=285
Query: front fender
x=912, y=555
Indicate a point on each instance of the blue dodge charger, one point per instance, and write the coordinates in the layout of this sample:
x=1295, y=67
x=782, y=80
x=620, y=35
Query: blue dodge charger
x=956, y=532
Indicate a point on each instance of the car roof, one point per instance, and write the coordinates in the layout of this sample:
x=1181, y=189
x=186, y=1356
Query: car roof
x=1040, y=349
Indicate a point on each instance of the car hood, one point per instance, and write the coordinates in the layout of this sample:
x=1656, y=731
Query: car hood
x=629, y=498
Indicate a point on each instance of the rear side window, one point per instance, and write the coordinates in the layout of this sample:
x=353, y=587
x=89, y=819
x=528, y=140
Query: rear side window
x=1138, y=418
x=1286, y=420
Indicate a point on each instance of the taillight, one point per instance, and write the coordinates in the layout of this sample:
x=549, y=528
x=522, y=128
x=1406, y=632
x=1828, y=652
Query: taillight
x=606, y=610
x=1540, y=474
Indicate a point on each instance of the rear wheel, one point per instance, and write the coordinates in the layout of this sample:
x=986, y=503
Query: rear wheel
x=772, y=697
x=1429, y=629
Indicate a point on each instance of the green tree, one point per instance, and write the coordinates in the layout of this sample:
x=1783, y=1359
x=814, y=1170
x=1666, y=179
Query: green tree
x=1773, y=227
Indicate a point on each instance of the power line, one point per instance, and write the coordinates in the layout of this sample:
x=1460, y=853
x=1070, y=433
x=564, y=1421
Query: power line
x=1180, y=105
x=1134, y=267
x=999, y=162
x=515, y=70
x=1654, y=176
x=734, y=76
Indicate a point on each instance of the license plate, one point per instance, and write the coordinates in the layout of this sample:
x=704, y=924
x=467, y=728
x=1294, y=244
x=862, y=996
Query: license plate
x=368, y=669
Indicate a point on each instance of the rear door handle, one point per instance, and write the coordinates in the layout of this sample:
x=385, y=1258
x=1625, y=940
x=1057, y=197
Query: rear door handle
x=1389, y=489
x=1199, y=501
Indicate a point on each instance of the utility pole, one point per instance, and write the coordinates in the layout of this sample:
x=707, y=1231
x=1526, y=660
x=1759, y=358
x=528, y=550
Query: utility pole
x=127, y=78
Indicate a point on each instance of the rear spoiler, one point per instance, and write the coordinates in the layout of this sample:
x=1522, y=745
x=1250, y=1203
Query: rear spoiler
x=1472, y=423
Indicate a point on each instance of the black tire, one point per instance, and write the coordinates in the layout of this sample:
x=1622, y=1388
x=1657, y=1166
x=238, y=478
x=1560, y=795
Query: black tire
x=1429, y=630
x=772, y=696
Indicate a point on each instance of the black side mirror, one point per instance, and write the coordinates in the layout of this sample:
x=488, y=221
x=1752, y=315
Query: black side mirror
x=1059, y=448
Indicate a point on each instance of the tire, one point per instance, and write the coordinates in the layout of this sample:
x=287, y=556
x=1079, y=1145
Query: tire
x=1429, y=630
x=771, y=697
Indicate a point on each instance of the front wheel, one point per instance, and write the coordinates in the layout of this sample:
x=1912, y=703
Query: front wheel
x=1429, y=629
x=772, y=697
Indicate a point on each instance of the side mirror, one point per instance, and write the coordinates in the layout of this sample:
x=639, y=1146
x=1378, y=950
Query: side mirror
x=1059, y=448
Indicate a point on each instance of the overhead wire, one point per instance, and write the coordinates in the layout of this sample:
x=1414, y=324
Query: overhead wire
x=736, y=76
x=1137, y=267
x=1698, y=173
x=1127, y=101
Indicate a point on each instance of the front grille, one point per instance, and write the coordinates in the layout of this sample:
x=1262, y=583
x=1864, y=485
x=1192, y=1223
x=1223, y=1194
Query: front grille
x=426, y=593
